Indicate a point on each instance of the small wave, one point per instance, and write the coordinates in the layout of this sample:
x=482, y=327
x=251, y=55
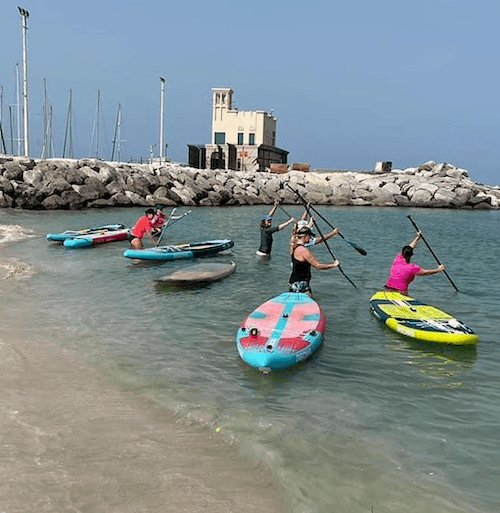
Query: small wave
x=14, y=232
x=15, y=270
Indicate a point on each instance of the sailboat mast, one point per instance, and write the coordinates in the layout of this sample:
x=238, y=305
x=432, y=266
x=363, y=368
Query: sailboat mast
x=68, y=134
x=3, y=147
x=11, y=130
x=117, y=137
x=95, y=130
x=45, y=121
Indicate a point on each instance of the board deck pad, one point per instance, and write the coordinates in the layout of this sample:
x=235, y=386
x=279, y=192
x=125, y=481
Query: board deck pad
x=281, y=332
x=416, y=319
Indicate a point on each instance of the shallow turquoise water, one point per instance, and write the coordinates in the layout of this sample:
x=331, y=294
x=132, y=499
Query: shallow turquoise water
x=372, y=421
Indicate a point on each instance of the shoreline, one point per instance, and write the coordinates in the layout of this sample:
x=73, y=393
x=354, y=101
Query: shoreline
x=74, y=440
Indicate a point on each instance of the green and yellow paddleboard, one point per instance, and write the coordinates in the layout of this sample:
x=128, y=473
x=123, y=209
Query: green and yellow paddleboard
x=417, y=320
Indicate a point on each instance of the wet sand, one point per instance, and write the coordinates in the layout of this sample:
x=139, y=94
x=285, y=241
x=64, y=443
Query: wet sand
x=71, y=440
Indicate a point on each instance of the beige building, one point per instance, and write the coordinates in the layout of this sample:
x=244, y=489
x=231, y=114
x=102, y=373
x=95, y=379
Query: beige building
x=243, y=140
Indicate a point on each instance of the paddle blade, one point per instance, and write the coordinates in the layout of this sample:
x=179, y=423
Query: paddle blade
x=358, y=249
x=354, y=245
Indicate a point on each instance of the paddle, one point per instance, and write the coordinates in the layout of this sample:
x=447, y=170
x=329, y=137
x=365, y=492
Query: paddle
x=170, y=224
x=285, y=212
x=331, y=252
x=326, y=243
x=352, y=244
x=180, y=217
x=430, y=249
x=166, y=225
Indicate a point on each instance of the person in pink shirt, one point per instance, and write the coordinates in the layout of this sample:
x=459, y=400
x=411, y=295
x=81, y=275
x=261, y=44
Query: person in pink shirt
x=142, y=227
x=158, y=220
x=403, y=271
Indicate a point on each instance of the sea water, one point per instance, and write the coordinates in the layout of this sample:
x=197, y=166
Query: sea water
x=373, y=422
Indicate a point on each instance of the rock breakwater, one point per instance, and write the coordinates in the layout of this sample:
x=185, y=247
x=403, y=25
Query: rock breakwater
x=76, y=184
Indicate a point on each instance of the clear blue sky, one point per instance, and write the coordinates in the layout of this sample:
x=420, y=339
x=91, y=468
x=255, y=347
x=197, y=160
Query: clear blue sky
x=351, y=83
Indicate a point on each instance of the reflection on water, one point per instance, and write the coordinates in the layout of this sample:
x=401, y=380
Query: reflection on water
x=265, y=383
x=443, y=364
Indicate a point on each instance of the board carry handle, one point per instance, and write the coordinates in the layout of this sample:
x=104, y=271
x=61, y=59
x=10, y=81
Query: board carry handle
x=326, y=243
x=431, y=250
x=359, y=249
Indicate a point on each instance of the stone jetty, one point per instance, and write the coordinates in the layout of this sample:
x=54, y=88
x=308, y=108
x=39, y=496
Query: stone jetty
x=86, y=183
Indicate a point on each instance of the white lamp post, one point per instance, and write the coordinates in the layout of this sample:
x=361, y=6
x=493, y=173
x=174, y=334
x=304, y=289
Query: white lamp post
x=25, y=14
x=162, y=116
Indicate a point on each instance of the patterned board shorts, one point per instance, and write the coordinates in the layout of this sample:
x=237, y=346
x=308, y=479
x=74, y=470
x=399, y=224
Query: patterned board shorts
x=299, y=286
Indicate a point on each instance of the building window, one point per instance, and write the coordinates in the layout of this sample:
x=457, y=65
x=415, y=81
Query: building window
x=220, y=138
x=251, y=139
x=240, y=138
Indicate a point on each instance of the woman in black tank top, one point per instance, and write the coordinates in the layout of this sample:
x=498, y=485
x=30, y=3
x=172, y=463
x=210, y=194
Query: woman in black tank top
x=302, y=260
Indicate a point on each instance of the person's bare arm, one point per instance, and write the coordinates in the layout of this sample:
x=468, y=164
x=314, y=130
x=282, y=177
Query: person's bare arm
x=415, y=240
x=309, y=257
x=425, y=272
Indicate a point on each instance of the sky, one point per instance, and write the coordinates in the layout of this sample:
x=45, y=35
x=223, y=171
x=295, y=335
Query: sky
x=351, y=83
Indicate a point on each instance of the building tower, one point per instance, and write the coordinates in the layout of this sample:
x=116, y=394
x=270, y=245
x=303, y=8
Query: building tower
x=242, y=140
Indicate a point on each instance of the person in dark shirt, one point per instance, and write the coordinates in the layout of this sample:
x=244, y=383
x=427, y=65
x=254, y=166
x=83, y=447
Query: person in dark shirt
x=302, y=260
x=267, y=230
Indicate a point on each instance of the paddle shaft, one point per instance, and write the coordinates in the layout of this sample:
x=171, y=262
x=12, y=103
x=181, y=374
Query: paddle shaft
x=284, y=211
x=355, y=246
x=166, y=226
x=322, y=236
x=431, y=250
x=330, y=250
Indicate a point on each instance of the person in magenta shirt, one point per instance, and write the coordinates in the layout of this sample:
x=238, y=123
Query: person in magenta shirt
x=158, y=220
x=142, y=227
x=403, y=271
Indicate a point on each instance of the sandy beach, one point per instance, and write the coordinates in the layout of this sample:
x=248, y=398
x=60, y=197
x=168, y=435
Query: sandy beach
x=74, y=441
